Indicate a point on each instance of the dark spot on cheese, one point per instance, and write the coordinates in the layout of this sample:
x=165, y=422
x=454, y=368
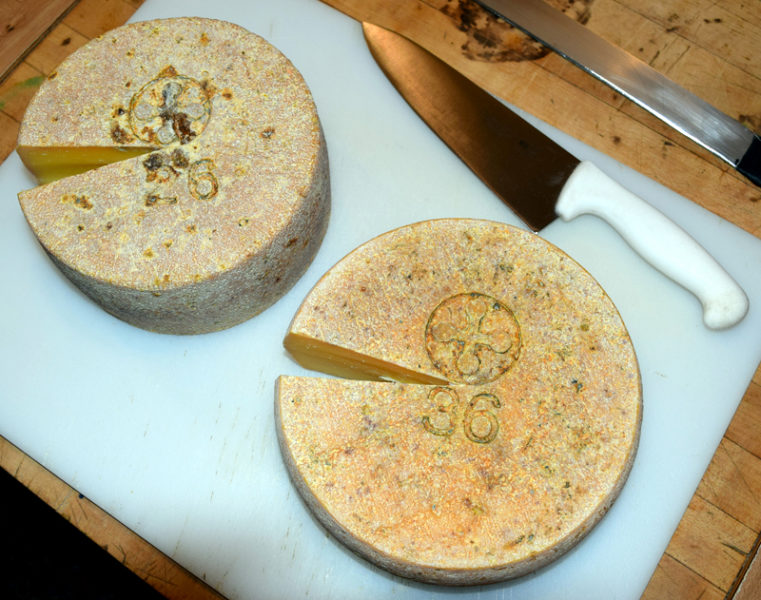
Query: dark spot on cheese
x=267, y=133
x=168, y=71
x=148, y=134
x=120, y=135
x=179, y=158
x=182, y=127
x=79, y=201
x=208, y=88
x=291, y=242
x=227, y=94
x=154, y=199
x=154, y=162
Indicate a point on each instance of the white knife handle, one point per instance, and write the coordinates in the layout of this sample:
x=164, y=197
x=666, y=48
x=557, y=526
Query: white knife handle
x=656, y=238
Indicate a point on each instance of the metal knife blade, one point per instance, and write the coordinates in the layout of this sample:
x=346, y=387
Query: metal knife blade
x=636, y=80
x=539, y=180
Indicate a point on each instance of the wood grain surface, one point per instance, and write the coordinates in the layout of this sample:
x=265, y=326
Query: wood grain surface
x=24, y=24
x=708, y=46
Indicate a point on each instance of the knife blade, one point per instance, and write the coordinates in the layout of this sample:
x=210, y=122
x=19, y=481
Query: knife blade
x=540, y=180
x=715, y=131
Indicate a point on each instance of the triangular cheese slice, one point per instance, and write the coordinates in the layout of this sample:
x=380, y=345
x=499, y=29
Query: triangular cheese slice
x=519, y=449
x=220, y=194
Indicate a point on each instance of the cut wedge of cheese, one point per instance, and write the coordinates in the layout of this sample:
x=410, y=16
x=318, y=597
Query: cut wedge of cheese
x=49, y=164
x=517, y=426
x=211, y=193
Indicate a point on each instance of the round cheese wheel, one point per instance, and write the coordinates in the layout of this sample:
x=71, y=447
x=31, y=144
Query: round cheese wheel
x=215, y=192
x=516, y=452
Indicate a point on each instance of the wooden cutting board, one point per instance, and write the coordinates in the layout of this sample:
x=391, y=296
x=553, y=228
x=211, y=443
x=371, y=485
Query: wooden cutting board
x=708, y=47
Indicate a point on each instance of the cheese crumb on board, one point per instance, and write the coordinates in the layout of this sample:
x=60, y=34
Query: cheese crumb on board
x=518, y=422
x=187, y=182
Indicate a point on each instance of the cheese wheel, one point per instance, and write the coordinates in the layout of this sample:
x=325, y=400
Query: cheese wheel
x=215, y=192
x=519, y=448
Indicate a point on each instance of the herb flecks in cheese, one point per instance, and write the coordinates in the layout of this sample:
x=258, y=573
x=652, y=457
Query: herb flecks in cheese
x=517, y=426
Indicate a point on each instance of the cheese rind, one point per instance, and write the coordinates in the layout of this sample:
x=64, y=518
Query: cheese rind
x=511, y=461
x=225, y=211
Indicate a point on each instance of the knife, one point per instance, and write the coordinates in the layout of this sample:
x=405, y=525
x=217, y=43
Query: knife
x=636, y=80
x=539, y=180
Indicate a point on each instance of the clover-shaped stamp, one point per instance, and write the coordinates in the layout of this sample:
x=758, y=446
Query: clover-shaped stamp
x=472, y=338
x=169, y=109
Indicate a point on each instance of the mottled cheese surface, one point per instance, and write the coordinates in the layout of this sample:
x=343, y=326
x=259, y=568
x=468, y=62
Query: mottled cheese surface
x=516, y=452
x=229, y=202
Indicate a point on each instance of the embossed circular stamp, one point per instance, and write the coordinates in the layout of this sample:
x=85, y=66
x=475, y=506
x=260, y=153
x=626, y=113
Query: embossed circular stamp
x=472, y=338
x=169, y=109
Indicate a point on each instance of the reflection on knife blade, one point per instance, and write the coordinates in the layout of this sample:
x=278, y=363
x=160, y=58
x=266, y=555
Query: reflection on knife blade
x=539, y=180
x=716, y=132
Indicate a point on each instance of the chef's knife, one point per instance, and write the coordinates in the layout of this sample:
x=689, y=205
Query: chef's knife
x=539, y=180
x=716, y=132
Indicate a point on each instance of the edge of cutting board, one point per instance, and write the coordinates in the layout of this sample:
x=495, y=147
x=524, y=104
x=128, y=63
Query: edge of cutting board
x=723, y=514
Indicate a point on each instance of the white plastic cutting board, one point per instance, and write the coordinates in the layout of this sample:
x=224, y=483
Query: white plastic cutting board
x=175, y=436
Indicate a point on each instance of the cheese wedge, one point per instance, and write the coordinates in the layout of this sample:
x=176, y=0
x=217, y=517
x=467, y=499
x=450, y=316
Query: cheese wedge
x=520, y=448
x=211, y=193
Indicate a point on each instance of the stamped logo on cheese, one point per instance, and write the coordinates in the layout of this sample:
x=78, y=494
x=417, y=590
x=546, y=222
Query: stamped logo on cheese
x=477, y=420
x=163, y=168
x=472, y=338
x=499, y=413
x=171, y=108
x=168, y=110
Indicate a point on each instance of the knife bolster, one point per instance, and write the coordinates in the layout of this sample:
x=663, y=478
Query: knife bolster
x=750, y=163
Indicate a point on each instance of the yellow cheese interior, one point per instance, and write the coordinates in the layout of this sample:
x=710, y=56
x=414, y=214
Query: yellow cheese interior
x=49, y=163
x=326, y=358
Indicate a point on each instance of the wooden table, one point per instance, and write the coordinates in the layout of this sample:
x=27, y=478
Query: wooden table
x=713, y=553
